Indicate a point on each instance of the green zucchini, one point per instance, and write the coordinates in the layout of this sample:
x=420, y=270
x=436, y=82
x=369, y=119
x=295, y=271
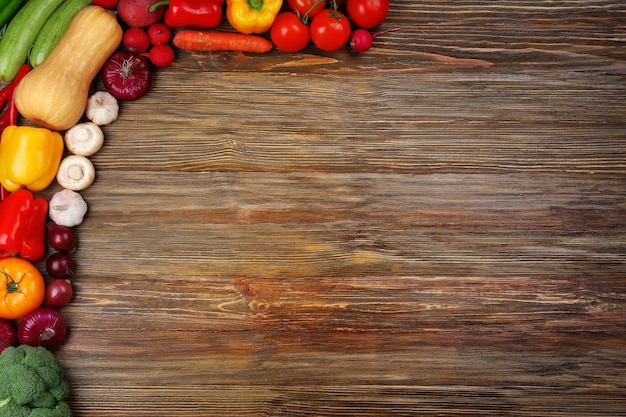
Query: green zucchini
x=54, y=28
x=8, y=8
x=21, y=33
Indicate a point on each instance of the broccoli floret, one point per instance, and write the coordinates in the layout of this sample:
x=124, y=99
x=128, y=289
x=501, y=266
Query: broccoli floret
x=32, y=383
x=63, y=409
x=10, y=356
x=23, y=383
x=43, y=362
x=13, y=410
x=60, y=391
x=60, y=410
x=45, y=400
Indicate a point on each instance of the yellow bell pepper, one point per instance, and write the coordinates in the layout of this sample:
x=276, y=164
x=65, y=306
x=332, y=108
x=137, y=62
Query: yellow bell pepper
x=252, y=16
x=29, y=157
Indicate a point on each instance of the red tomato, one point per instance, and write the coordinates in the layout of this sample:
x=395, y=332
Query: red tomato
x=301, y=7
x=330, y=30
x=288, y=32
x=367, y=13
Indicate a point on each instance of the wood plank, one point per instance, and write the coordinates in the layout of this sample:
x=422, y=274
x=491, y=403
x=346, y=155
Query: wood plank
x=404, y=123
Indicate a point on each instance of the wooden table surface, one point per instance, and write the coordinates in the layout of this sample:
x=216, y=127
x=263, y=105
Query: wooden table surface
x=436, y=227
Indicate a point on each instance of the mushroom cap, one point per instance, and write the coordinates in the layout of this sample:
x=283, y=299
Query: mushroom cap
x=84, y=139
x=76, y=172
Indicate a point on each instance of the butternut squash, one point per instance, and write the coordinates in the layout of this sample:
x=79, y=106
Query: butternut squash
x=54, y=94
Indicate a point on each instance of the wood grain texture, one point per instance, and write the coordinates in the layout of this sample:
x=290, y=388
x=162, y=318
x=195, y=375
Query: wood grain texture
x=434, y=228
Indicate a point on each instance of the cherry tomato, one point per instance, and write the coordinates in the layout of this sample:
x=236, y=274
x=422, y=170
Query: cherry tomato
x=22, y=288
x=367, y=13
x=301, y=7
x=289, y=33
x=330, y=30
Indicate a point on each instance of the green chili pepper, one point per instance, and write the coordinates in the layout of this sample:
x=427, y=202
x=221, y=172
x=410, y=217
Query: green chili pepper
x=8, y=8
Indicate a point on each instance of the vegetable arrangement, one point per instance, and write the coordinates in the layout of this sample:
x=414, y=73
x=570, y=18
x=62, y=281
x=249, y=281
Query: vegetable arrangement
x=51, y=52
x=252, y=25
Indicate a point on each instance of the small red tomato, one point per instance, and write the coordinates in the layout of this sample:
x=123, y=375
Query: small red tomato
x=159, y=34
x=289, y=33
x=330, y=30
x=310, y=8
x=367, y=13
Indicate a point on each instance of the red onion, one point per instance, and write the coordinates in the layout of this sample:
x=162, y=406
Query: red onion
x=60, y=265
x=61, y=238
x=58, y=293
x=43, y=327
x=8, y=334
x=127, y=75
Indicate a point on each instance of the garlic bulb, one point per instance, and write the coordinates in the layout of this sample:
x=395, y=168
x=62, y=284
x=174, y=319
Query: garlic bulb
x=102, y=108
x=67, y=208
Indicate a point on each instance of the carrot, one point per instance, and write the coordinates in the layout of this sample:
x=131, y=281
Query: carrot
x=196, y=40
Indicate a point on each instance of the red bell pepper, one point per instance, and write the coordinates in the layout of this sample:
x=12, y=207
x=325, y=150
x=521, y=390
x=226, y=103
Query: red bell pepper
x=200, y=14
x=9, y=117
x=23, y=225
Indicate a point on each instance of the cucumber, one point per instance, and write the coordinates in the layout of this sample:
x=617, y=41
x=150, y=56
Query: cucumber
x=54, y=28
x=21, y=33
x=8, y=8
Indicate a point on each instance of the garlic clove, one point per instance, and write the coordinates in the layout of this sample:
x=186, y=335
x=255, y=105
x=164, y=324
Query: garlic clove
x=84, y=139
x=76, y=173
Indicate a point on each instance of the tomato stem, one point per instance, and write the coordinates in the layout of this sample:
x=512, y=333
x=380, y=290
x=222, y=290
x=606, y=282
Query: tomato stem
x=334, y=9
x=305, y=17
x=12, y=286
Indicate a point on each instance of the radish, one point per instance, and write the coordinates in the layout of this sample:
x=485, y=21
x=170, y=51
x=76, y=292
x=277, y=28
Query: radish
x=159, y=34
x=161, y=55
x=361, y=40
x=137, y=12
x=136, y=40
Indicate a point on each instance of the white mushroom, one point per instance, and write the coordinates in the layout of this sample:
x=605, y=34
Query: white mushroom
x=84, y=139
x=102, y=108
x=76, y=173
x=67, y=208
